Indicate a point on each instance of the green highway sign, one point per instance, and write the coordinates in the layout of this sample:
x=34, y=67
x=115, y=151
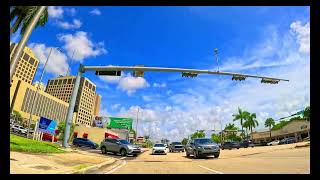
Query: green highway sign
x=120, y=123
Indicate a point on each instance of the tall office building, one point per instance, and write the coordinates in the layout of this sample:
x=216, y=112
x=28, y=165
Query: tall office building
x=27, y=64
x=62, y=87
x=97, y=103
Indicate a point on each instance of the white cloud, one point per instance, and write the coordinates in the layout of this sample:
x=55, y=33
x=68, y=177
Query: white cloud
x=76, y=24
x=126, y=82
x=302, y=33
x=71, y=11
x=96, y=12
x=115, y=106
x=159, y=85
x=55, y=12
x=131, y=84
x=57, y=63
x=82, y=45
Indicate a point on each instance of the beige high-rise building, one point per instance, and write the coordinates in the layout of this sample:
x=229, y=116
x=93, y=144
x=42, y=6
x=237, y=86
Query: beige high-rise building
x=97, y=103
x=62, y=87
x=27, y=64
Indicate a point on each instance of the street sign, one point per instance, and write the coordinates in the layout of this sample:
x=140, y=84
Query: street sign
x=108, y=73
x=120, y=123
x=47, y=125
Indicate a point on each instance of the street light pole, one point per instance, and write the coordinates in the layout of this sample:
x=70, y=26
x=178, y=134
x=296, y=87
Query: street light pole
x=137, y=125
x=71, y=106
x=36, y=94
x=23, y=41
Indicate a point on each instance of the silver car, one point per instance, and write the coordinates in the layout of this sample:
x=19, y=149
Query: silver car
x=121, y=146
x=202, y=147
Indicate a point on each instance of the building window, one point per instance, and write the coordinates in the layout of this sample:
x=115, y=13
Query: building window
x=26, y=56
x=31, y=61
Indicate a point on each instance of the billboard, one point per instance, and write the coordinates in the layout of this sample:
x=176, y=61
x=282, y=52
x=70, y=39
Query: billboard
x=100, y=122
x=120, y=123
x=47, y=125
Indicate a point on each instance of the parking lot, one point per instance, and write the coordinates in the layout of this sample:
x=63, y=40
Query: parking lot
x=268, y=159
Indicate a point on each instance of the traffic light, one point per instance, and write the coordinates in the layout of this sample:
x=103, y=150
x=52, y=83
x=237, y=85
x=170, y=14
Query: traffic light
x=269, y=81
x=189, y=74
x=108, y=73
x=138, y=73
x=238, y=78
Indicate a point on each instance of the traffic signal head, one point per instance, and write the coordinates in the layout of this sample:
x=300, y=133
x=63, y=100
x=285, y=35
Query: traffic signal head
x=138, y=73
x=189, y=74
x=269, y=81
x=238, y=77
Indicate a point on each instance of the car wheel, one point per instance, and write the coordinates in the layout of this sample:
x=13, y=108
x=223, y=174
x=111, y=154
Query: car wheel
x=104, y=150
x=123, y=152
x=195, y=155
x=216, y=155
x=187, y=154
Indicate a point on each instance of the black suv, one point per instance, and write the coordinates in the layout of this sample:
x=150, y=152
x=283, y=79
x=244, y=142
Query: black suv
x=246, y=143
x=176, y=146
x=230, y=145
x=288, y=140
x=202, y=147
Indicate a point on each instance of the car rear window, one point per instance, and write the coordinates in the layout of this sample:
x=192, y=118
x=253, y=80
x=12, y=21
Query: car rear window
x=159, y=145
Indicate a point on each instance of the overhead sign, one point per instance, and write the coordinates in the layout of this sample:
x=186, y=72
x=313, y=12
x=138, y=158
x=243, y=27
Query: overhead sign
x=120, y=123
x=47, y=125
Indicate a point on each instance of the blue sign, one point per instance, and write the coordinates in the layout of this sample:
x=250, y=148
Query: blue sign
x=47, y=125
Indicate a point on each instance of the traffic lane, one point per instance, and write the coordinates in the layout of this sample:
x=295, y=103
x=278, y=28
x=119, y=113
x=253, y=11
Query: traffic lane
x=285, y=161
x=171, y=163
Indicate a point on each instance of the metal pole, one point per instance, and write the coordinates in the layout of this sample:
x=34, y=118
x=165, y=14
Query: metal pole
x=137, y=126
x=71, y=106
x=216, y=54
x=36, y=95
x=68, y=72
x=23, y=41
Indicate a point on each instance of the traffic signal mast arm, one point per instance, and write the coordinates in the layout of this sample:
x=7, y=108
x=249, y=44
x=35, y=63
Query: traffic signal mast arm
x=181, y=70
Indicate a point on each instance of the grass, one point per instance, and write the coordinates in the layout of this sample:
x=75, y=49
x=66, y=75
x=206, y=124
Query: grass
x=22, y=144
x=80, y=166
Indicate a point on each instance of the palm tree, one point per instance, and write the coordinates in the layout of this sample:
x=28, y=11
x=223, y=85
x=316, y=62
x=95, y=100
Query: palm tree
x=306, y=113
x=24, y=15
x=242, y=115
x=269, y=123
x=251, y=122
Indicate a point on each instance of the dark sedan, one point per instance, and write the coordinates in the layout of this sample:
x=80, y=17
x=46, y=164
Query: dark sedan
x=246, y=144
x=84, y=142
x=230, y=145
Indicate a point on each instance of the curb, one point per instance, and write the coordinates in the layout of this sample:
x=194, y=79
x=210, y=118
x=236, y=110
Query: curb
x=97, y=166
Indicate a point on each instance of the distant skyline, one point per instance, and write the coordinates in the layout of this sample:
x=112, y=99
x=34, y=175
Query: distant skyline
x=269, y=41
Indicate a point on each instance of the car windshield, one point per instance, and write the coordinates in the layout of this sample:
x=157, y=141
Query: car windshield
x=124, y=141
x=158, y=145
x=203, y=141
x=176, y=143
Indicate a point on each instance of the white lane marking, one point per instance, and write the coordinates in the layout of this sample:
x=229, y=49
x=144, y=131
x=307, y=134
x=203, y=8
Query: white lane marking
x=112, y=170
x=217, y=172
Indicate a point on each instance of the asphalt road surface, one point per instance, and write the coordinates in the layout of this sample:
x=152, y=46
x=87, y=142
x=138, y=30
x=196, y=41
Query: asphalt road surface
x=257, y=160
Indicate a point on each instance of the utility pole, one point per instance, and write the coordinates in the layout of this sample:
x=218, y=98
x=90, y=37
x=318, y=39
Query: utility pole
x=216, y=54
x=35, y=99
x=137, y=125
x=23, y=41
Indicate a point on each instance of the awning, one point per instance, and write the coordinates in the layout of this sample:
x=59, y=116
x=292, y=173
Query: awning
x=110, y=134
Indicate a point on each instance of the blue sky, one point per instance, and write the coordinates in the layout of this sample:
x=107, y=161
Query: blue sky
x=271, y=41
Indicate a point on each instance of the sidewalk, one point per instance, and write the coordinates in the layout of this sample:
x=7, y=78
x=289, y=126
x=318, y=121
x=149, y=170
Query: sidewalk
x=55, y=163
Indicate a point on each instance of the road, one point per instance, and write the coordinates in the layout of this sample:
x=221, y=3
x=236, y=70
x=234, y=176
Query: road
x=260, y=160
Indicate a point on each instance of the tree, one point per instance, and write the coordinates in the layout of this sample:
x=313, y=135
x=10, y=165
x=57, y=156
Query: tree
x=216, y=138
x=198, y=134
x=18, y=116
x=184, y=141
x=23, y=16
x=306, y=113
x=61, y=127
x=269, y=123
x=251, y=122
x=242, y=116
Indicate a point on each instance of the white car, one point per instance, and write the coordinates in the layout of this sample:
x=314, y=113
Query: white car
x=159, y=148
x=272, y=143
